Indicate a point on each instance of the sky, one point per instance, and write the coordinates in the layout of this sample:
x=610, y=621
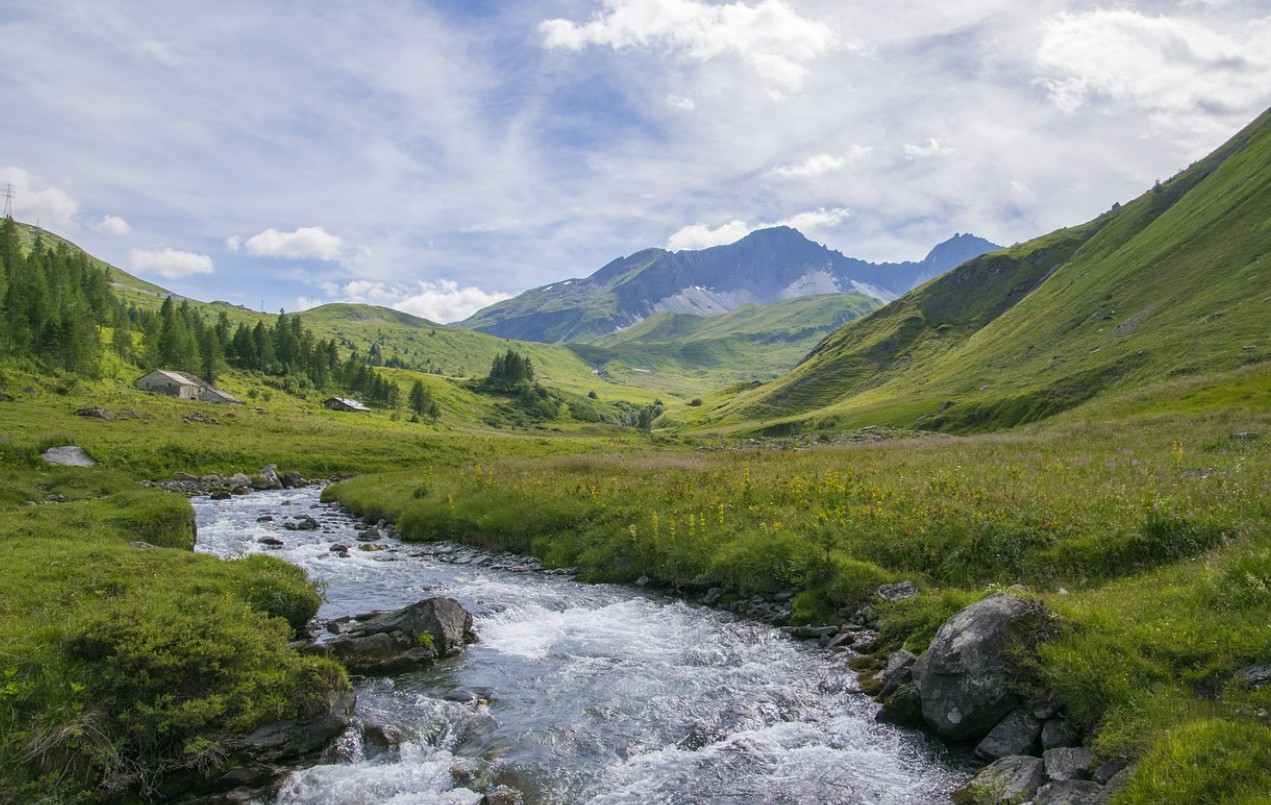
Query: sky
x=436, y=156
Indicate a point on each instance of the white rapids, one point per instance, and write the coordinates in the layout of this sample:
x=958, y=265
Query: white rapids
x=582, y=693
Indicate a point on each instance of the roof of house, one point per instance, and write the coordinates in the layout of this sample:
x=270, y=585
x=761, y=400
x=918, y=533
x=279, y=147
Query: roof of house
x=354, y=404
x=224, y=395
x=182, y=378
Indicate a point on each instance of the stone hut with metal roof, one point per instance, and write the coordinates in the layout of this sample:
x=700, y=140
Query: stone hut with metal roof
x=184, y=386
x=344, y=404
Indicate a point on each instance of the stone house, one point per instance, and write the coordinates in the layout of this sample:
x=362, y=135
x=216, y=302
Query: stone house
x=183, y=386
x=344, y=404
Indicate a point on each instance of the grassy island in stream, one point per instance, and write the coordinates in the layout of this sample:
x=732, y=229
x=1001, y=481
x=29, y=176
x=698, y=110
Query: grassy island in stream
x=121, y=664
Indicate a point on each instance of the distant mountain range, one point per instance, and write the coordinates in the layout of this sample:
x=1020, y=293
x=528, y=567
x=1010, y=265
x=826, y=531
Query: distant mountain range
x=766, y=266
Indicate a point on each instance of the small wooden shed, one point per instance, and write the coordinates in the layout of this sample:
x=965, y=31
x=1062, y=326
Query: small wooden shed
x=344, y=404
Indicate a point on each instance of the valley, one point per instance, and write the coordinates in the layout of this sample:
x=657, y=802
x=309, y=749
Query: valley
x=1081, y=421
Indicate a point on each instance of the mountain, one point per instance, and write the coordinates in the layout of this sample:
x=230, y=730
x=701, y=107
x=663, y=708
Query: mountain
x=764, y=267
x=668, y=355
x=1173, y=284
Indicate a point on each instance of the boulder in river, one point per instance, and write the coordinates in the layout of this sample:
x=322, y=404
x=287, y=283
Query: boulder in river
x=302, y=522
x=380, y=644
x=289, y=740
x=964, y=676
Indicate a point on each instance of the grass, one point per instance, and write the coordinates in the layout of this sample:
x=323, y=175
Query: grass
x=1148, y=535
x=121, y=664
x=1138, y=518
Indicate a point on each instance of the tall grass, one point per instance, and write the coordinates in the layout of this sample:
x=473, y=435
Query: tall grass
x=1148, y=536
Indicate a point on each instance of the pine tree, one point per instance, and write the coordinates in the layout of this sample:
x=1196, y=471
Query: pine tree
x=421, y=401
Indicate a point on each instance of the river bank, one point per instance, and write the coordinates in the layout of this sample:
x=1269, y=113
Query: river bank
x=581, y=693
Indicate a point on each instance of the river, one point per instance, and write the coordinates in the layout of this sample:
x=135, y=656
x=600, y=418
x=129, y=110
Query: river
x=581, y=693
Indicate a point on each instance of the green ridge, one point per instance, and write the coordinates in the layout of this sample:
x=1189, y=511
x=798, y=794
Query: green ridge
x=1174, y=283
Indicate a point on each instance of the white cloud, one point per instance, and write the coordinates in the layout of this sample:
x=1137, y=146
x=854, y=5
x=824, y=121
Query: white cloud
x=820, y=164
x=683, y=104
x=932, y=148
x=702, y=236
x=111, y=225
x=441, y=301
x=233, y=243
x=770, y=35
x=816, y=219
x=36, y=200
x=1169, y=66
x=305, y=242
x=170, y=263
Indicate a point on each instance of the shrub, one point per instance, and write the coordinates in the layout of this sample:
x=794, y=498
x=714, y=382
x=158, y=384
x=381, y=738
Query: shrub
x=167, y=682
x=276, y=588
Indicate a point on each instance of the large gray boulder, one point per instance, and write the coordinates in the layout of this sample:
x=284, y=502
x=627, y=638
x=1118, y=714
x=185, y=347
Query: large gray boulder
x=1069, y=763
x=1006, y=781
x=964, y=676
x=68, y=457
x=380, y=644
x=289, y=740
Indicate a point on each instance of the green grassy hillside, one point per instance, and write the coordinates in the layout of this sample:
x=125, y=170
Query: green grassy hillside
x=1174, y=283
x=687, y=353
x=667, y=356
x=456, y=352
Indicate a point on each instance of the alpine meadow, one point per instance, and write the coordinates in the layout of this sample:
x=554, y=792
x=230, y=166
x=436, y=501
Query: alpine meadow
x=1078, y=424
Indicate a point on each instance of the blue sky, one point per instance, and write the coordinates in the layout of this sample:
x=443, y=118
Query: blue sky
x=437, y=156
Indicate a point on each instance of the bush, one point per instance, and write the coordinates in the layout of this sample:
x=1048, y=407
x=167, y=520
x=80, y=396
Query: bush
x=276, y=588
x=166, y=683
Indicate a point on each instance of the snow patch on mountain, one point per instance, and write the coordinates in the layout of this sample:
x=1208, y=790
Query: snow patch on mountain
x=811, y=283
x=874, y=291
x=701, y=301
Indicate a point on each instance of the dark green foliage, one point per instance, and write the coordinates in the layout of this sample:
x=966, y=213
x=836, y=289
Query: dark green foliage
x=166, y=682
x=52, y=302
x=510, y=372
x=422, y=402
x=119, y=664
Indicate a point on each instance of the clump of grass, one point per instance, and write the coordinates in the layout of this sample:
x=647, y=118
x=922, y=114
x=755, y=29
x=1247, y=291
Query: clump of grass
x=911, y=623
x=1208, y=760
x=120, y=665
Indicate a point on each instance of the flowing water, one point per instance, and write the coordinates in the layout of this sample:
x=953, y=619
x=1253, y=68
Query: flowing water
x=582, y=693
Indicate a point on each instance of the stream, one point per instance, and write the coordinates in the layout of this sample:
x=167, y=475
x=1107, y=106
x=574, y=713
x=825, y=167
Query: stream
x=581, y=693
